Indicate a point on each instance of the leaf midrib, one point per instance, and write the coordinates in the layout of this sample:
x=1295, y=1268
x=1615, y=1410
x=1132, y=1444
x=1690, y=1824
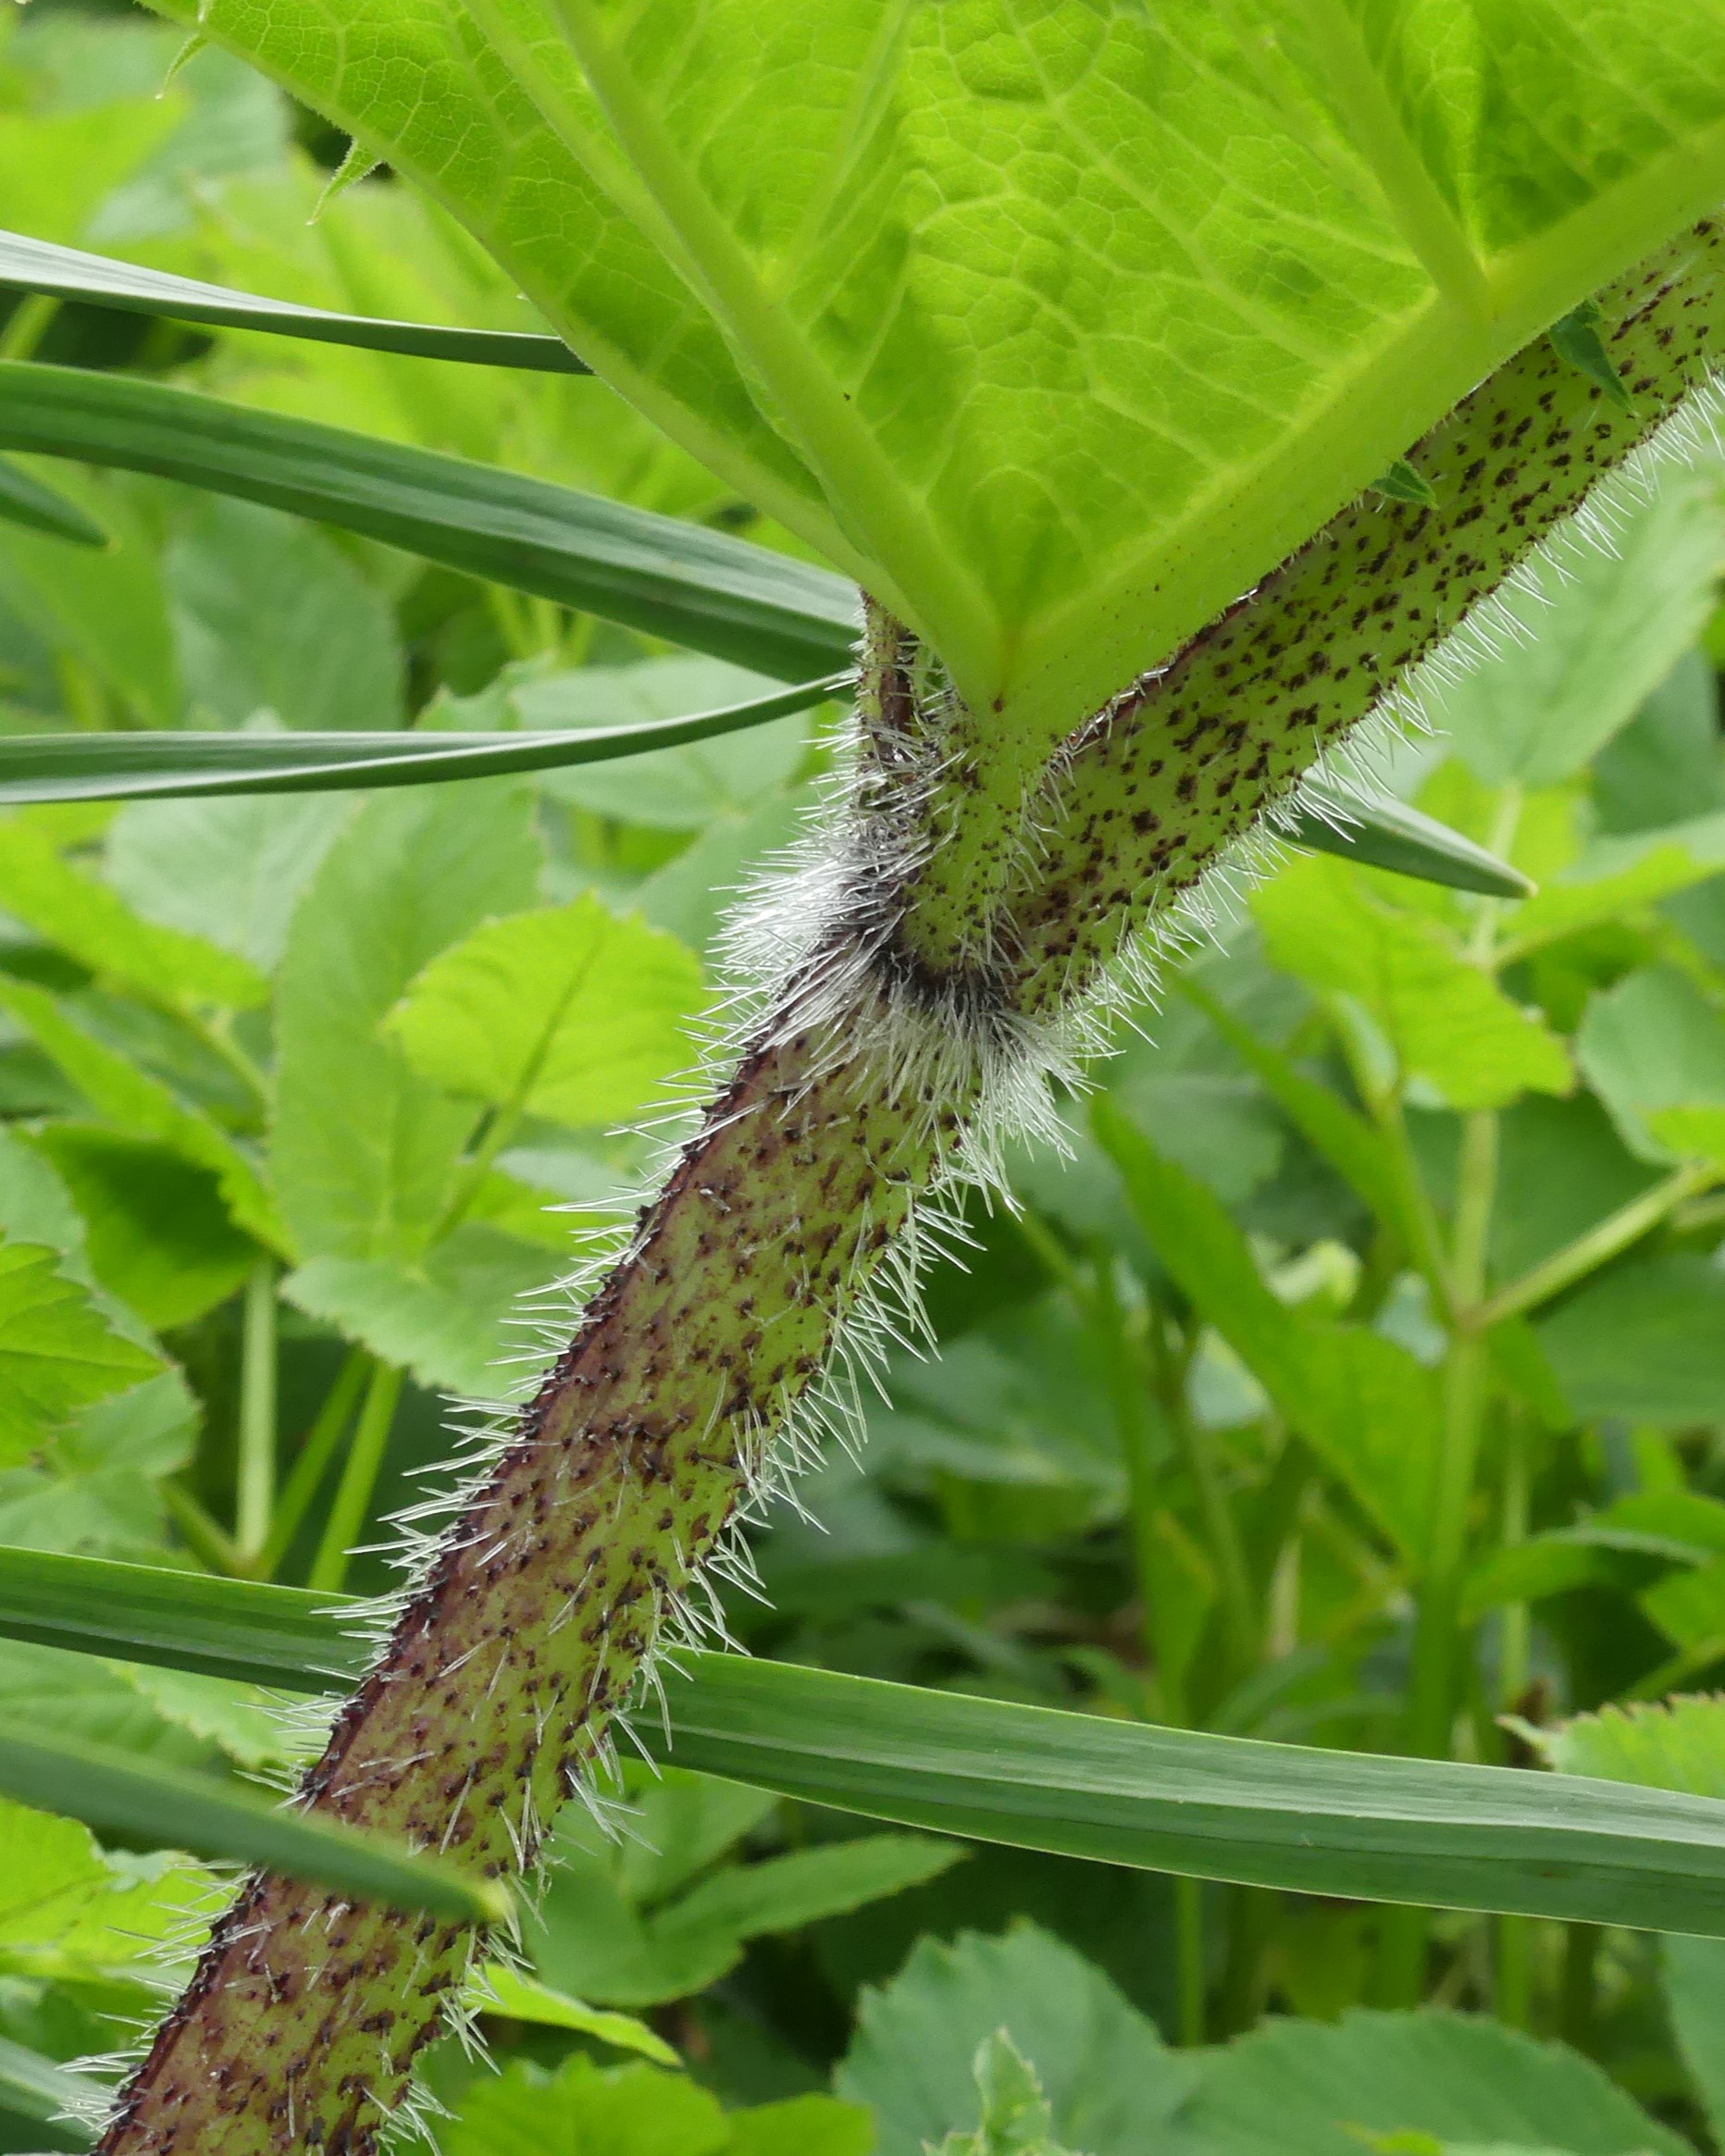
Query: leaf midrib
x=910, y=569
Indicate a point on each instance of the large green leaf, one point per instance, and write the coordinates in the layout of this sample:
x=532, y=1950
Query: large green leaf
x=568, y=1012
x=640, y=2110
x=1317, y=1821
x=1446, y=1019
x=1474, y=2087
x=67, y=273
x=1112, y=2084
x=1058, y=326
x=695, y=587
x=57, y=1353
x=410, y=874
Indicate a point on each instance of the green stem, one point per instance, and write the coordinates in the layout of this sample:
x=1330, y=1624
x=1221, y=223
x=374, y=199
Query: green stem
x=1440, y=1638
x=1588, y=1252
x=1134, y=1430
x=1514, y=1651
x=1189, y=1960
x=1221, y=1535
x=1575, y=1997
x=205, y=1537
x=29, y=322
x=359, y=1478
x=1514, y=1986
x=254, y=1495
x=221, y=1044
x=1122, y=1363
x=307, y=1473
x=1416, y=1219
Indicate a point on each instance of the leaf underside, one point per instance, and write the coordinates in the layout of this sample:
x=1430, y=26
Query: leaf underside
x=930, y=283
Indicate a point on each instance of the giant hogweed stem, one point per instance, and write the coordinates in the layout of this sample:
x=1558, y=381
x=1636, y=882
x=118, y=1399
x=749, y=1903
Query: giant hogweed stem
x=1181, y=765
x=543, y=1605
x=305, y=2013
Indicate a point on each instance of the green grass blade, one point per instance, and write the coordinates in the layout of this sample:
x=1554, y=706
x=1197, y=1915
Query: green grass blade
x=66, y=273
x=115, y=1793
x=176, y=1620
x=1388, y=833
x=109, y=767
x=1378, y=1828
x=1220, y=1807
x=26, y=500
x=40, y=2090
x=698, y=588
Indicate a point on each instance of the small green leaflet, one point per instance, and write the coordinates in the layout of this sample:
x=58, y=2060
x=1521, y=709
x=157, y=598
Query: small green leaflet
x=56, y=1352
x=1016, y=2120
x=494, y=1987
x=1386, y=832
x=36, y=266
x=1576, y=339
x=639, y=2110
x=1402, y=483
x=93, y=924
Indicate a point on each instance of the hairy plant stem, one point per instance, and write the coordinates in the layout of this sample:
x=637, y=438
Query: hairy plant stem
x=934, y=985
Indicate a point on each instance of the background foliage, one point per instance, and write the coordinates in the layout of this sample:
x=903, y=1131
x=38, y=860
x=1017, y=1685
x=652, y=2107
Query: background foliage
x=1397, y=1178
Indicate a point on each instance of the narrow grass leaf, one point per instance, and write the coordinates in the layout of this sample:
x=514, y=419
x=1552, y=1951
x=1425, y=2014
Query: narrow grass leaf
x=41, y=2089
x=115, y=1792
x=1388, y=834
x=1220, y=1807
x=67, y=273
x=27, y=501
x=698, y=588
x=108, y=767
